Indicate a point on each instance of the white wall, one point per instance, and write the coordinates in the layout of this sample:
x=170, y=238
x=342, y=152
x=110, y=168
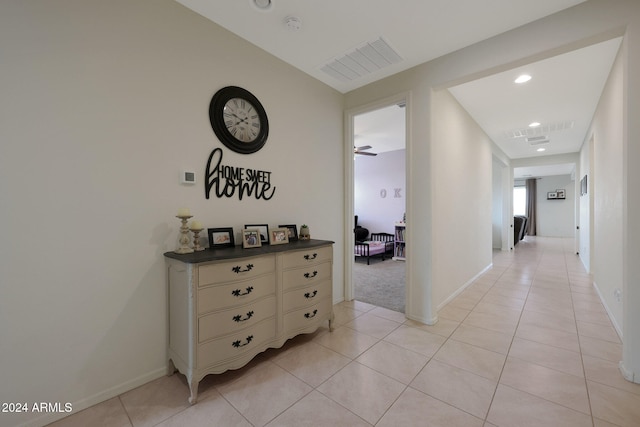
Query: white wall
x=556, y=218
x=605, y=184
x=497, y=204
x=103, y=104
x=630, y=365
x=462, y=180
x=379, y=191
x=585, y=220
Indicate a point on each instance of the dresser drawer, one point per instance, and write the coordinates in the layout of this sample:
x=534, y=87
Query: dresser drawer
x=306, y=275
x=235, y=270
x=308, y=316
x=236, y=293
x=307, y=257
x=229, y=321
x=237, y=344
x=308, y=295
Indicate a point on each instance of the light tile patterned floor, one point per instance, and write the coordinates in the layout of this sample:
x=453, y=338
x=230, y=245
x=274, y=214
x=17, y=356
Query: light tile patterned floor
x=527, y=344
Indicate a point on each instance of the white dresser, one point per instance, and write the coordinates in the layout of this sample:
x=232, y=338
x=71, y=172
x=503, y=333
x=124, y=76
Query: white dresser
x=227, y=305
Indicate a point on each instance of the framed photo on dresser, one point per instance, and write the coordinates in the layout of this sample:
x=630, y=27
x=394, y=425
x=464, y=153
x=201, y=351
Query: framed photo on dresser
x=251, y=238
x=221, y=237
x=293, y=231
x=263, y=229
x=279, y=236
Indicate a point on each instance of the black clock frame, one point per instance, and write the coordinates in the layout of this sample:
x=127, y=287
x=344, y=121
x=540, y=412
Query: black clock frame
x=216, y=116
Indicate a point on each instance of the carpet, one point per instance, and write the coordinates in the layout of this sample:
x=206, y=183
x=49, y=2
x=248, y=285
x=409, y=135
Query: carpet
x=382, y=283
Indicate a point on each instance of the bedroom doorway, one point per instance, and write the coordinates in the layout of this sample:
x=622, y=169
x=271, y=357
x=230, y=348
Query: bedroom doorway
x=379, y=205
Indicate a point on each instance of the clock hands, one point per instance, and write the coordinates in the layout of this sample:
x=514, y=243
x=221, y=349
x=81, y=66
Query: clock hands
x=241, y=128
x=245, y=120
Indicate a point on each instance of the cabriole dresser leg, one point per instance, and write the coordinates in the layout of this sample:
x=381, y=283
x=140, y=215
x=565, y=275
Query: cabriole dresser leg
x=193, y=387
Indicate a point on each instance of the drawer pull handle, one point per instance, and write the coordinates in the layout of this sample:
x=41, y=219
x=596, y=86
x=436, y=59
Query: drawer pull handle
x=310, y=275
x=310, y=295
x=238, y=344
x=310, y=257
x=239, y=293
x=238, y=269
x=238, y=318
x=310, y=315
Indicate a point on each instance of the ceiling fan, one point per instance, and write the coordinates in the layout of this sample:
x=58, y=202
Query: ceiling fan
x=361, y=150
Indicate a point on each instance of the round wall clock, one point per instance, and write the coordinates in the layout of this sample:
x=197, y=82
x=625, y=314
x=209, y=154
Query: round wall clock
x=239, y=120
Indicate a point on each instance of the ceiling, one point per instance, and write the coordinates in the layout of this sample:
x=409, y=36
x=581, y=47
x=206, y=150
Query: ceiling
x=418, y=30
x=383, y=129
x=562, y=94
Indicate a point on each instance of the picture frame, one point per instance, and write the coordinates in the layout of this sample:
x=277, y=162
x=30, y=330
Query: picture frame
x=279, y=236
x=552, y=195
x=251, y=238
x=561, y=194
x=221, y=237
x=264, y=231
x=293, y=232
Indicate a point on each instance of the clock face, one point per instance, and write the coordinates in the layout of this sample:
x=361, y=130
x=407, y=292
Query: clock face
x=239, y=120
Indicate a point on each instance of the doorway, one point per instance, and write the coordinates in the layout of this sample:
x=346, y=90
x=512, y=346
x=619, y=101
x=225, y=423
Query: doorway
x=378, y=198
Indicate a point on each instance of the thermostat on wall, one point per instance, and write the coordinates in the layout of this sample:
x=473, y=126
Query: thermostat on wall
x=188, y=177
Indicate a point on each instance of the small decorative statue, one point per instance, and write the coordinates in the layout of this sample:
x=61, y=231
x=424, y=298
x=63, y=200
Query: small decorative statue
x=304, y=232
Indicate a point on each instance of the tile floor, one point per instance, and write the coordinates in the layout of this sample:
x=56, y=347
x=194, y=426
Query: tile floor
x=527, y=344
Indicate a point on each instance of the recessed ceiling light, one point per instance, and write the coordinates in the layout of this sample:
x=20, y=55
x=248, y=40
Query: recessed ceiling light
x=534, y=124
x=541, y=149
x=263, y=4
x=523, y=78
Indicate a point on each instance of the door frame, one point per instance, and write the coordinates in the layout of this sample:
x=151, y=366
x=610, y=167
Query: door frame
x=349, y=179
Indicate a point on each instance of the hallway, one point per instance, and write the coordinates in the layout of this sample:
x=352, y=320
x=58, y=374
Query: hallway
x=527, y=344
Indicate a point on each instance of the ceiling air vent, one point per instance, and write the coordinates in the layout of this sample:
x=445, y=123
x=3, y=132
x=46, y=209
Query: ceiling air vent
x=541, y=131
x=537, y=140
x=365, y=59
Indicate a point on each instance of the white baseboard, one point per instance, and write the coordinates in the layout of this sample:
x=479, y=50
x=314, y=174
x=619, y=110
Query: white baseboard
x=628, y=375
x=462, y=288
x=429, y=322
x=615, y=324
x=97, y=398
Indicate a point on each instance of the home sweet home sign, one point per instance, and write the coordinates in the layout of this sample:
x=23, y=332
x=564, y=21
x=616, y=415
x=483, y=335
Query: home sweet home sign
x=231, y=181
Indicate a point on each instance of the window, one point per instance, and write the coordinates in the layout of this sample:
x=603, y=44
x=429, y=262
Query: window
x=519, y=200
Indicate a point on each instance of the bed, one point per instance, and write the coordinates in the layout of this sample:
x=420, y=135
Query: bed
x=378, y=244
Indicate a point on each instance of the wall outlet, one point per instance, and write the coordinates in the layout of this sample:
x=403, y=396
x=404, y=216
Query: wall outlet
x=618, y=294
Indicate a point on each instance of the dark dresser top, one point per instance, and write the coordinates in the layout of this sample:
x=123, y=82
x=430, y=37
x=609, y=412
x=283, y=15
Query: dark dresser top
x=239, y=252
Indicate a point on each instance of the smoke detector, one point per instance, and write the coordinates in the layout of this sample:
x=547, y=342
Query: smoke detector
x=292, y=23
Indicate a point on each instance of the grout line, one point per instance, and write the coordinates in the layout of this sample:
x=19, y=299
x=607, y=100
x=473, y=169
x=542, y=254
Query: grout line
x=124, y=408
